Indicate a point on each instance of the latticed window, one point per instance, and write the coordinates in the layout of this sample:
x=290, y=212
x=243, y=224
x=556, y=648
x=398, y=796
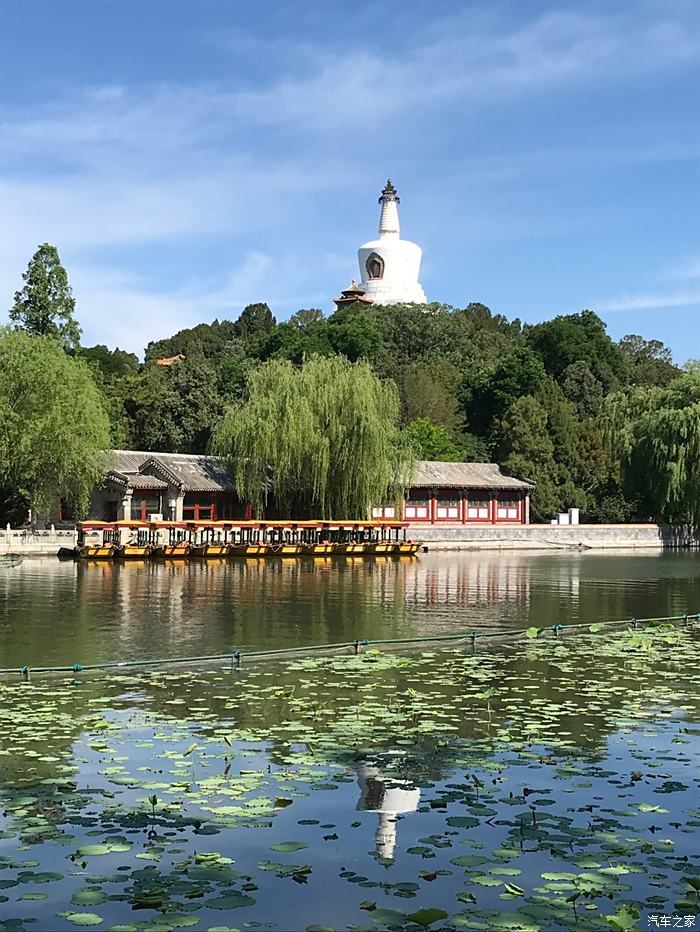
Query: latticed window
x=478, y=507
x=198, y=507
x=144, y=504
x=507, y=508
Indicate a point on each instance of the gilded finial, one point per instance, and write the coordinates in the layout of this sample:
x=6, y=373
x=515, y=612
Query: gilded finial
x=389, y=193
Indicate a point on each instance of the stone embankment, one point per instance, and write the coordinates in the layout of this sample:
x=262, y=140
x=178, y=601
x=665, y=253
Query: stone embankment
x=551, y=537
x=35, y=543
x=454, y=537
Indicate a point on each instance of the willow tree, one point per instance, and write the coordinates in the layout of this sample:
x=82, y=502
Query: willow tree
x=320, y=440
x=655, y=432
x=53, y=425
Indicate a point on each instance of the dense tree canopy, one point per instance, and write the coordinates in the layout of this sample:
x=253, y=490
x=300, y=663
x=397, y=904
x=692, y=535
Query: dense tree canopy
x=45, y=305
x=559, y=402
x=471, y=385
x=174, y=408
x=321, y=439
x=110, y=364
x=574, y=337
x=53, y=424
x=432, y=441
x=655, y=433
x=652, y=363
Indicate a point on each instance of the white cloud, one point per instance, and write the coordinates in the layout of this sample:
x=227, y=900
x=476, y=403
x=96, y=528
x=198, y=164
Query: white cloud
x=122, y=309
x=658, y=301
x=113, y=167
x=464, y=64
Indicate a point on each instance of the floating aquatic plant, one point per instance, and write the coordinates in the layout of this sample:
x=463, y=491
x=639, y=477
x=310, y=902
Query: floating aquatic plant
x=544, y=785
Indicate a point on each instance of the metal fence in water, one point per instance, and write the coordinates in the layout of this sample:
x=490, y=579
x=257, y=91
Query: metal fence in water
x=237, y=656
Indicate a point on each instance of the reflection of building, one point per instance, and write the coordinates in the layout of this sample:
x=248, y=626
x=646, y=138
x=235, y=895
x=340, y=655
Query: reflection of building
x=193, y=487
x=389, y=797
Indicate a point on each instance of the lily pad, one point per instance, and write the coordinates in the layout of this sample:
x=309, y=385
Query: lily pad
x=289, y=846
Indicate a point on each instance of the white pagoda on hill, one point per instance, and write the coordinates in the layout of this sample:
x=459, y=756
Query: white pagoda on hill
x=389, y=266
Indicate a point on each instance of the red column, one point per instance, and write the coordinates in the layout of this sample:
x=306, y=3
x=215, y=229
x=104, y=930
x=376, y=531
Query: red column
x=494, y=507
x=433, y=508
x=465, y=506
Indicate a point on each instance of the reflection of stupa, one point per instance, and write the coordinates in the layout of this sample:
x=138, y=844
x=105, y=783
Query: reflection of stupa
x=388, y=796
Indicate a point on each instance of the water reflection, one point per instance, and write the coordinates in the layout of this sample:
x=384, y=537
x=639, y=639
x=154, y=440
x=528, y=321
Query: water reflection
x=53, y=612
x=387, y=795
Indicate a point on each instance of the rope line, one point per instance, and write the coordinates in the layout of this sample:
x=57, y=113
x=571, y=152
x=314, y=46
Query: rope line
x=236, y=656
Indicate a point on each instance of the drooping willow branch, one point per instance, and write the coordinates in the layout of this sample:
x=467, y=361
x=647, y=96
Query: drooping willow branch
x=656, y=434
x=321, y=440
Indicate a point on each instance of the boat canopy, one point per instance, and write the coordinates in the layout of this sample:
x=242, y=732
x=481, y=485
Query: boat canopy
x=259, y=525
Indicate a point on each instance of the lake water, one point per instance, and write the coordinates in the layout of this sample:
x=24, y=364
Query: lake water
x=543, y=783
x=54, y=613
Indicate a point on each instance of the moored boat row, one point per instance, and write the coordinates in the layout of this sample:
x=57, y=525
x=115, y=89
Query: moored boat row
x=192, y=540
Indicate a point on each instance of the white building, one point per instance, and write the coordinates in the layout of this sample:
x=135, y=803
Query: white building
x=390, y=266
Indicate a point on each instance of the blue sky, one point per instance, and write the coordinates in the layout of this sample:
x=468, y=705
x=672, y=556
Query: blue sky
x=188, y=158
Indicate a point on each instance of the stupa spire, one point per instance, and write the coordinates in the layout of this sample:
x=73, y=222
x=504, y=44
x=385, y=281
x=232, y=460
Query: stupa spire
x=389, y=217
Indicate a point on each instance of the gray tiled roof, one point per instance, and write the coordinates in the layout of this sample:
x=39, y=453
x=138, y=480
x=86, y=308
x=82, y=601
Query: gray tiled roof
x=201, y=473
x=193, y=472
x=143, y=481
x=466, y=475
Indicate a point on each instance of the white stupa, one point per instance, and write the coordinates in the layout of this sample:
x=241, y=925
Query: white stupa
x=389, y=266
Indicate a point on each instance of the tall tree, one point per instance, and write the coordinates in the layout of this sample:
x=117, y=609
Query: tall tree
x=652, y=362
x=306, y=317
x=569, y=338
x=174, y=408
x=45, y=305
x=429, y=389
x=53, y=425
x=319, y=440
x=432, y=441
x=655, y=432
x=115, y=372
x=598, y=476
x=517, y=374
x=527, y=451
x=254, y=319
x=582, y=388
x=354, y=334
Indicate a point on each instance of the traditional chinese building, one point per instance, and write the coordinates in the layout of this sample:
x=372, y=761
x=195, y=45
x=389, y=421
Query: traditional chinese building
x=353, y=294
x=389, y=265
x=463, y=493
x=188, y=487
x=176, y=486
